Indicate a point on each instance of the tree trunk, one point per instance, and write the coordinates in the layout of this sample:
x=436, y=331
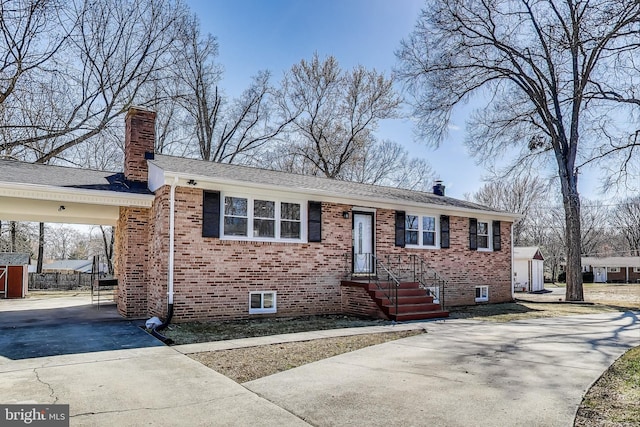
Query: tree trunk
x=13, y=236
x=571, y=201
x=40, y=248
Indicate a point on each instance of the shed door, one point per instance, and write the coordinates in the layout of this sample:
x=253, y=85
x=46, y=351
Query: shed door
x=14, y=282
x=362, y=243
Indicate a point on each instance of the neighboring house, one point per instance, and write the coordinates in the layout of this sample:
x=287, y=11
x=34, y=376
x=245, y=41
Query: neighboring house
x=215, y=241
x=528, y=269
x=14, y=277
x=613, y=269
x=69, y=266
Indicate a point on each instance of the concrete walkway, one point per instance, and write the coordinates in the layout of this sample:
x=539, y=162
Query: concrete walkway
x=461, y=373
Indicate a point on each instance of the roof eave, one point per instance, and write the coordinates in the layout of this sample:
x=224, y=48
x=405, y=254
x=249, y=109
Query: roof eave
x=73, y=194
x=202, y=181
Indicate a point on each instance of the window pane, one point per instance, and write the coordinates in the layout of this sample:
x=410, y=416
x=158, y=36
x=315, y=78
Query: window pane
x=428, y=223
x=290, y=211
x=411, y=237
x=290, y=230
x=483, y=242
x=256, y=300
x=483, y=228
x=264, y=228
x=267, y=301
x=234, y=226
x=235, y=206
x=264, y=209
x=429, y=238
x=411, y=222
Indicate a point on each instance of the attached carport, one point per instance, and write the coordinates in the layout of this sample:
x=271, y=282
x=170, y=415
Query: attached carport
x=55, y=194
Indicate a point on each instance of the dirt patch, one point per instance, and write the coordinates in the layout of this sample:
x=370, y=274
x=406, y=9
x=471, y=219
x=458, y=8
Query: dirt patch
x=246, y=364
x=614, y=400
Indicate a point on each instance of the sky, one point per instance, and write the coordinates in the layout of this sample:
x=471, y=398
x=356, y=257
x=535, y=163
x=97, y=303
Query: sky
x=273, y=35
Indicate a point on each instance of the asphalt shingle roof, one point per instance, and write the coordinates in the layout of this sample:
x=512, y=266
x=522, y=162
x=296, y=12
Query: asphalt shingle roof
x=251, y=175
x=60, y=176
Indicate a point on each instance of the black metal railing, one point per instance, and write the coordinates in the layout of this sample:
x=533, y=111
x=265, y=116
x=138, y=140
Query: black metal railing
x=387, y=271
x=429, y=279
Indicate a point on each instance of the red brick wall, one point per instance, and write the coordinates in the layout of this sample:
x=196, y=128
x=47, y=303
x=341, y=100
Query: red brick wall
x=462, y=267
x=357, y=301
x=213, y=277
x=139, y=137
x=131, y=264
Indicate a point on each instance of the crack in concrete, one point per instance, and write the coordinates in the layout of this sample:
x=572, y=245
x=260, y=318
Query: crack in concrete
x=51, y=390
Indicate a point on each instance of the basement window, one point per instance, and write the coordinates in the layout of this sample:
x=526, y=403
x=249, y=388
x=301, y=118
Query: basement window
x=482, y=293
x=262, y=302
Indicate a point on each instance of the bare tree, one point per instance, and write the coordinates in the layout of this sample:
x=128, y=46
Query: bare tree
x=334, y=111
x=86, y=77
x=555, y=76
x=226, y=131
x=388, y=163
x=518, y=195
x=625, y=219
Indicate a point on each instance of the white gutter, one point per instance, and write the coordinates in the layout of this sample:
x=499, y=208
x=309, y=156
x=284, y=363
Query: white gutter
x=172, y=220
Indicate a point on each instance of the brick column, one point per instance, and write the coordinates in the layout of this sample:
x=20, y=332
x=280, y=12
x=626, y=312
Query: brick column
x=132, y=261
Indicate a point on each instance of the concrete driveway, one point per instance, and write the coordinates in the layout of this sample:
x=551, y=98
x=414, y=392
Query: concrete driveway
x=460, y=373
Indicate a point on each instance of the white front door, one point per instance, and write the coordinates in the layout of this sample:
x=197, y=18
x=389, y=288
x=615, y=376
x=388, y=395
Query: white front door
x=600, y=274
x=362, y=243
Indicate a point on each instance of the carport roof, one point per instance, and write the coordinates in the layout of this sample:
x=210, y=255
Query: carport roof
x=59, y=176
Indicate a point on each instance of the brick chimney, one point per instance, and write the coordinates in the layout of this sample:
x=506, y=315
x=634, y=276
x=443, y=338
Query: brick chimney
x=139, y=143
x=438, y=188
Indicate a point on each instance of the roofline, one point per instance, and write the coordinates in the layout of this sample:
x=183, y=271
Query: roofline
x=74, y=194
x=169, y=177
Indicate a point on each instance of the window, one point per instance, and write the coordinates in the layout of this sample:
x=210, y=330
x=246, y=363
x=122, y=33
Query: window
x=261, y=219
x=613, y=269
x=482, y=293
x=263, y=302
x=235, y=216
x=483, y=235
x=264, y=218
x=411, y=230
x=420, y=230
x=636, y=269
x=290, y=220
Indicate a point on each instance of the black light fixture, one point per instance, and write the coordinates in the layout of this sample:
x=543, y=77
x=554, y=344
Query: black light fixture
x=192, y=182
x=61, y=208
x=345, y=214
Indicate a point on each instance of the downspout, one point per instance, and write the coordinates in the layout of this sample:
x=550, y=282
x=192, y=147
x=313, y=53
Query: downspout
x=172, y=204
x=513, y=292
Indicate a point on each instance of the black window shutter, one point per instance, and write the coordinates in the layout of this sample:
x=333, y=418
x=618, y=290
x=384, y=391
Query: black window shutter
x=496, y=236
x=314, y=224
x=400, y=227
x=444, y=231
x=211, y=214
x=473, y=233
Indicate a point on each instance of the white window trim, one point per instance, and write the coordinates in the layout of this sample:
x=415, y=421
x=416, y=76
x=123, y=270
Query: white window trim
x=420, y=231
x=271, y=310
x=613, y=269
x=250, y=204
x=636, y=269
x=483, y=298
x=489, y=223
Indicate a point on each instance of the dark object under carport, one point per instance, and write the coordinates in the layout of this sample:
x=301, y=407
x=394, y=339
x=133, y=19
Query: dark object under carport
x=14, y=275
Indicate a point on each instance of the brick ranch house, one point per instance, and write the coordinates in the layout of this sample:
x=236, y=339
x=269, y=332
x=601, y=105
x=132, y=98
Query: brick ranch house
x=217, y=242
